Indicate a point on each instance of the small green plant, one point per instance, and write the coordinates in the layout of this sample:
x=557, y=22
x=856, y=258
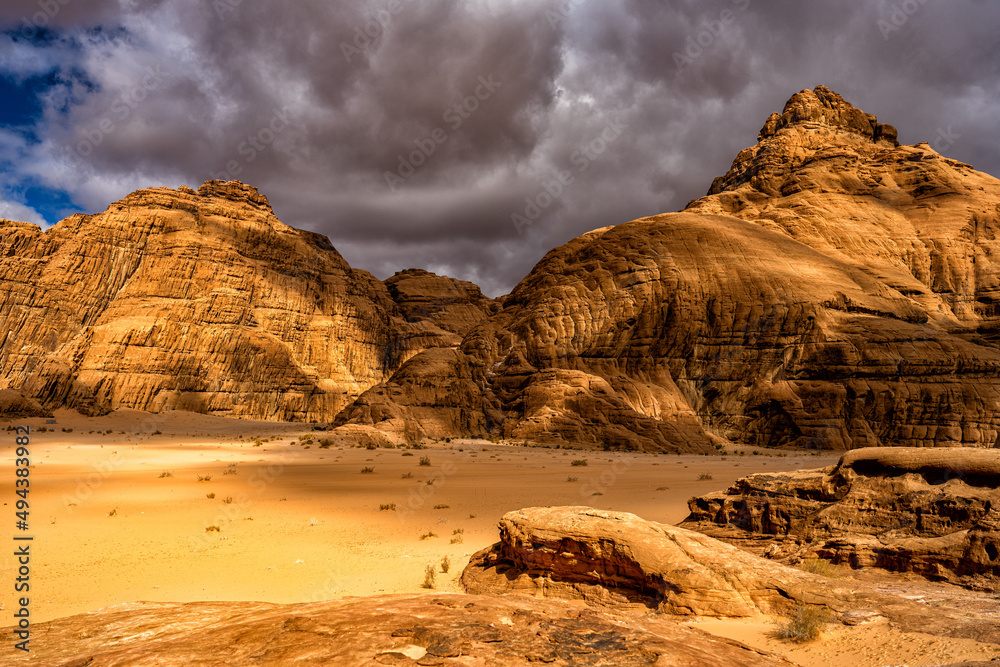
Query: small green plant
x=367, y=470
x=425, y=460
x=578, y=463
x=166, y=474
x=212, y=529
x=704, y=476
x=388, y=507
x=804, y=624
x=445, y=565
x=430, y=534
x=430, y=577
x=210, y=496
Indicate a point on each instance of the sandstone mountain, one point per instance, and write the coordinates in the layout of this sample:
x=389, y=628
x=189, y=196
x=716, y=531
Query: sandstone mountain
x=204, y=301
x=933, y=512
x=834, y=289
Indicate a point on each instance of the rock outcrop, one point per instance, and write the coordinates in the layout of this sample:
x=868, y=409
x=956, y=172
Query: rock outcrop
x=395, y=630
x=932, y=512
x=204, y=301
x=445, y=307
x=617, y=559
x=834, y=290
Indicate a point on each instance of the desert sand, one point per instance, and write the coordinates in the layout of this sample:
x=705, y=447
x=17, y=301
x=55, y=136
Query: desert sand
x=120, y=506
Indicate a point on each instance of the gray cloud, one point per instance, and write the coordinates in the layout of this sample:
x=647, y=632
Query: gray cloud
x=302, y=103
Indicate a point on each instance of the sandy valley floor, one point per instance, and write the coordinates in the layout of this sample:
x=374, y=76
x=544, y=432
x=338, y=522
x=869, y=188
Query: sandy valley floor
x=305, y=524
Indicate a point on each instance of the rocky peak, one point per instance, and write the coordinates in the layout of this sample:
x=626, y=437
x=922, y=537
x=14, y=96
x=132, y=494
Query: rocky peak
x=811, y=121
x=234, y=191
x=822, y=106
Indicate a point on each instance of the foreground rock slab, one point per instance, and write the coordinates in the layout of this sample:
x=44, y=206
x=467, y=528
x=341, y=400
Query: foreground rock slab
x=394, y=630
x=616, y=558
x=935, y=512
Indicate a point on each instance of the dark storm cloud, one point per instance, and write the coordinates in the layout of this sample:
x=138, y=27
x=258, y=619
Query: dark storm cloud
x=414, y=143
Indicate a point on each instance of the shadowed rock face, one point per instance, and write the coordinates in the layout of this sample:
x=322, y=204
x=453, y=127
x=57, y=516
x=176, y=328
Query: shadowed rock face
x=616, y=558
x=441, y=304
x=933, y=512
x=192, y=300
x=833, y=290
x=396, y=630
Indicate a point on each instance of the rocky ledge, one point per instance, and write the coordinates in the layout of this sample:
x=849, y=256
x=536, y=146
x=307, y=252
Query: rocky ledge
x=390, y=630
x=935, y=512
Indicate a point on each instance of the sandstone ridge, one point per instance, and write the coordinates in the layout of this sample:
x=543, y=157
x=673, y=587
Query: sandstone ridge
x=932, y=512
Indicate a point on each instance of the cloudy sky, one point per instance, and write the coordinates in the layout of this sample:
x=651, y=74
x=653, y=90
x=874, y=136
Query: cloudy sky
x=467, y=137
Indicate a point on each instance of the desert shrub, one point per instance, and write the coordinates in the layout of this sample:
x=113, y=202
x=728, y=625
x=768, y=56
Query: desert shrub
x=821, y=567
x=445, y=564
x=367, y=470
x=210, y=496
x=458, y=531
x=388, y=507
x=425, y=460
x=458, y=539
x=430, y=577
x=206, y=478
x=572, y=479
x=578, y=463
x=804, y=624
x=430, y=534
x=371, y=445
x=408, y=475
x=228, y=500
x=704, y=476
x=113, y=512
x=212, y=529
x=325, y=443
x=408, y=454
x=166, y=474
x=442, y=507
x=157, y=432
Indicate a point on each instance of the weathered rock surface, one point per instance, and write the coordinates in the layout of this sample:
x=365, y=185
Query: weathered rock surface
x=834, y=290
x=932, y=512
x=395, y=630
x=616, y=558
x=205, y=301
x=443, y=306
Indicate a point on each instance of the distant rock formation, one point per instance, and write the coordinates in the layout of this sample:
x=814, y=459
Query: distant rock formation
x=444, y=629
x=617, y=559
x=203, y=301
x=834, y=290
x=932, y=512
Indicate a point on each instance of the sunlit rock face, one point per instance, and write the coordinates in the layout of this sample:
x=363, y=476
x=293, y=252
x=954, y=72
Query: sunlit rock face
x=834, y=290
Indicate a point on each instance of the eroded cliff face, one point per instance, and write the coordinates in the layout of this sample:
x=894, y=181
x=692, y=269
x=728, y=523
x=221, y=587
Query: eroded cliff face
x=932, y=512
x=205, y=301
x=834, y=290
